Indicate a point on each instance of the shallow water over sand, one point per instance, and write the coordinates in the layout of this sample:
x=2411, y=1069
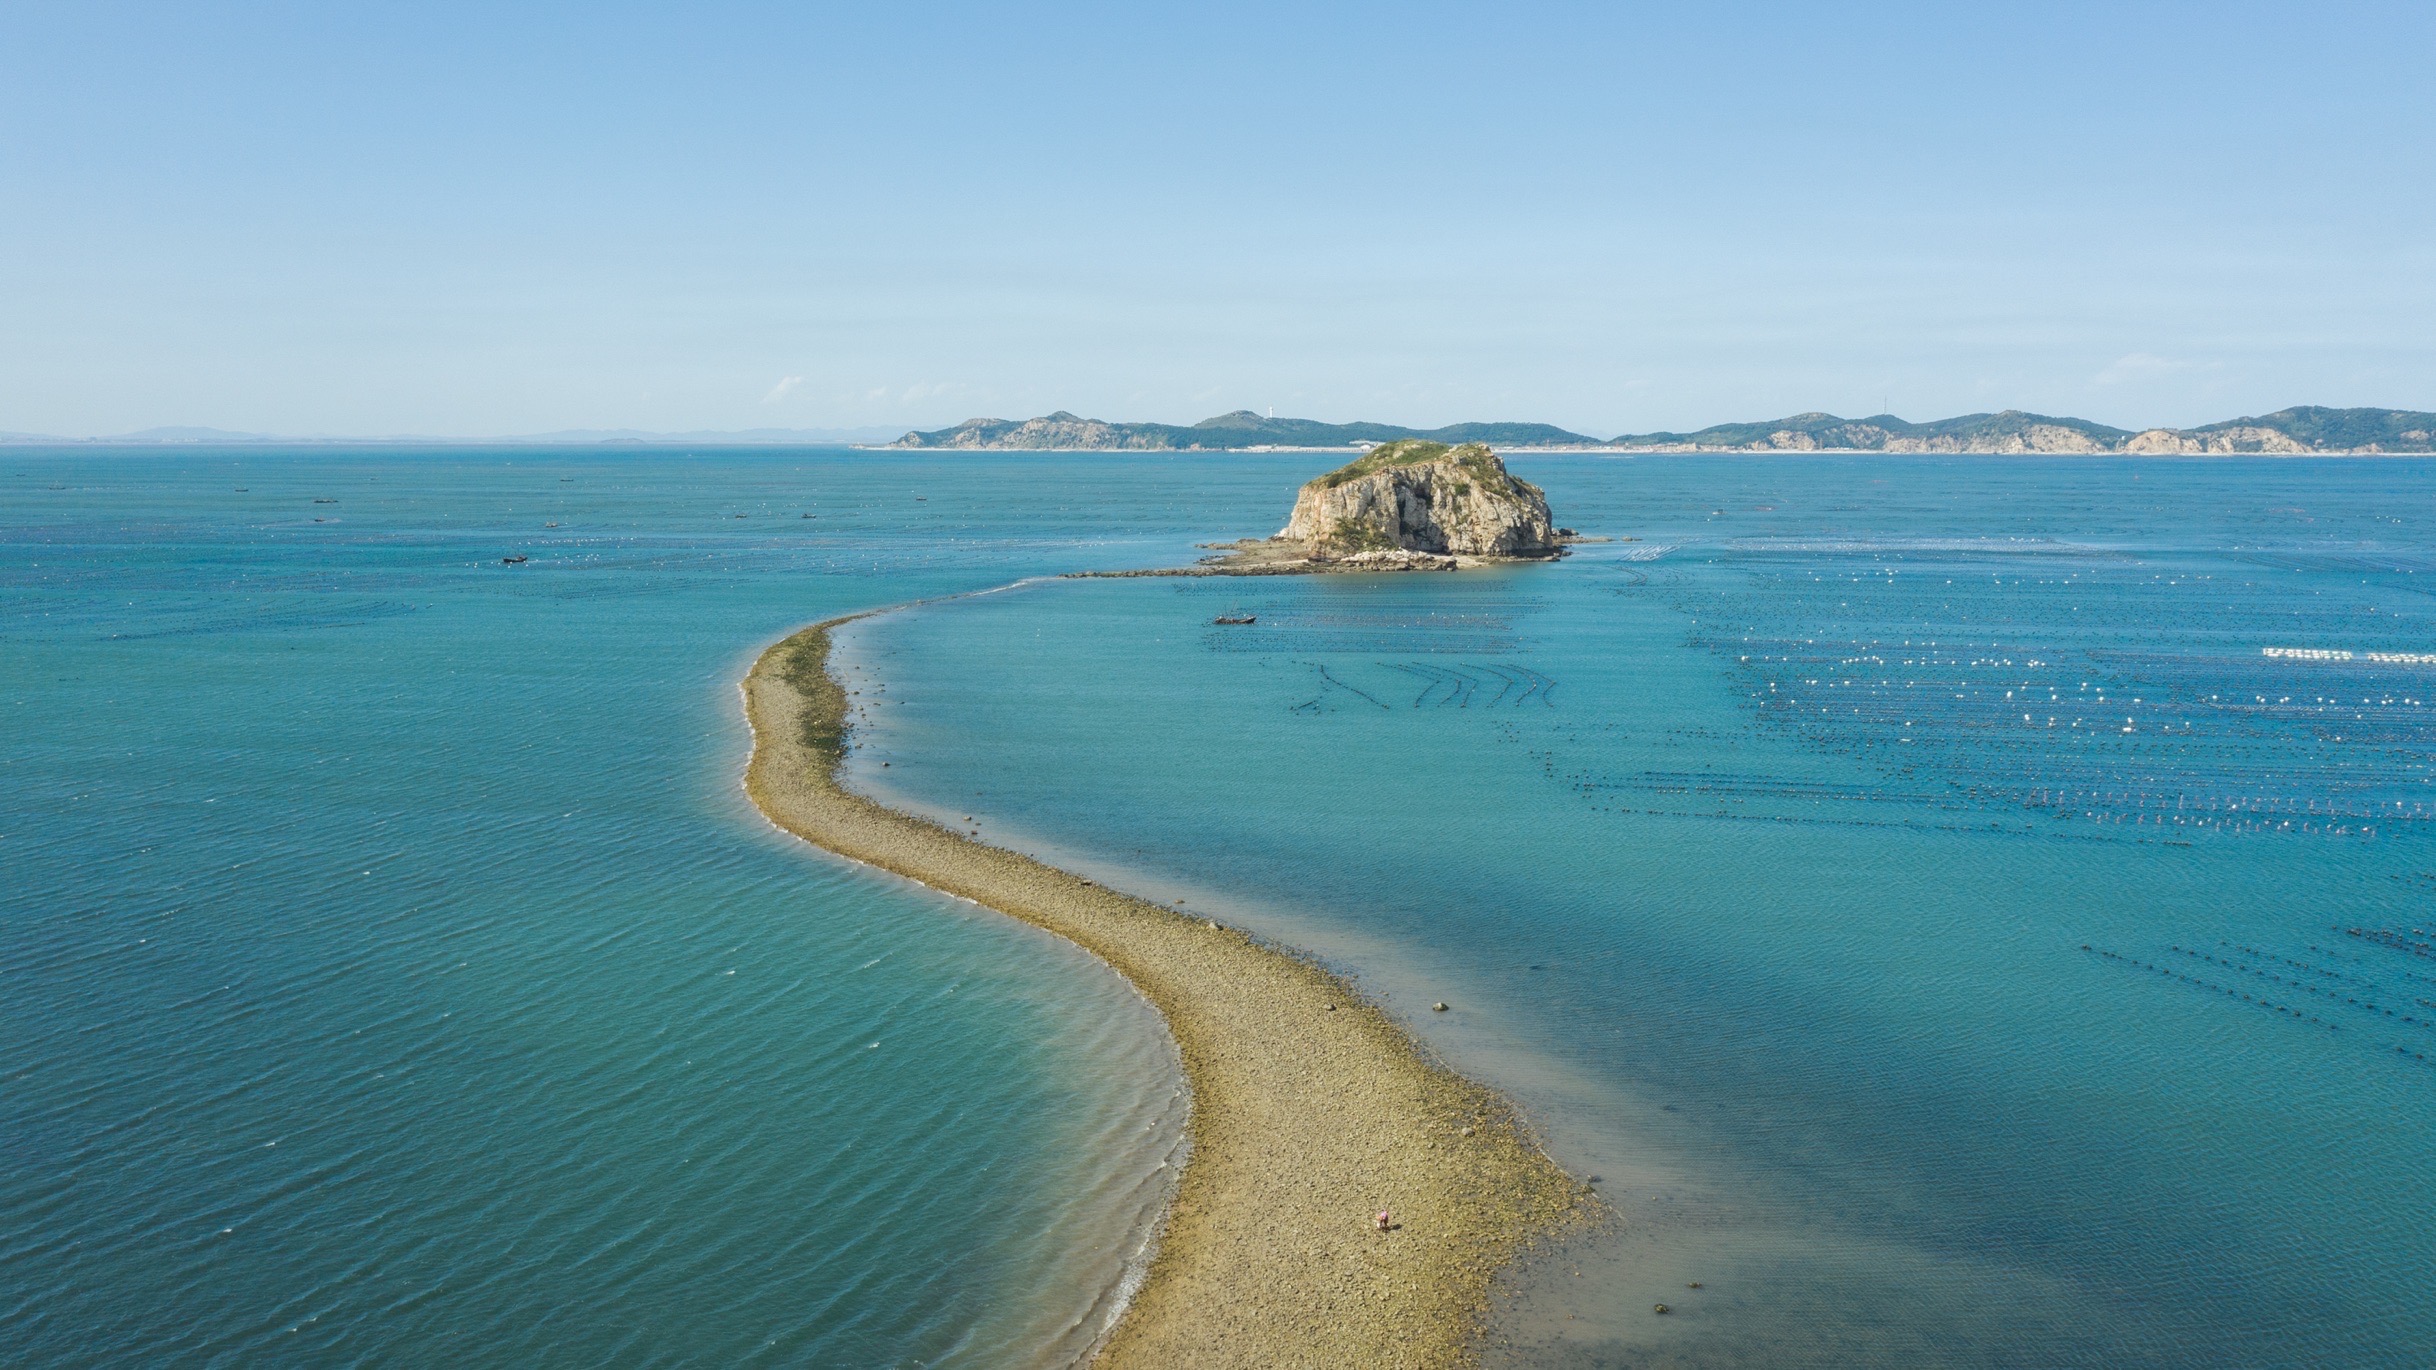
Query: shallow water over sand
x=1906, y=883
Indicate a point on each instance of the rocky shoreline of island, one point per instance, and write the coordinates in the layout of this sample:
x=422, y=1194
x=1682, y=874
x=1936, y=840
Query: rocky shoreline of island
x=1407, y=505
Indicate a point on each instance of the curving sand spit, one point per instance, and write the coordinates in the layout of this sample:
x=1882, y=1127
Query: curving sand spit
x=1311, y=1109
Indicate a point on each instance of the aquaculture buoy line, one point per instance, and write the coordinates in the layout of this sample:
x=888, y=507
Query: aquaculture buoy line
x=2325, y=654
x=2171, y=974
x=2305, y=989
x=2340, y=988
x=2394, y=941
x=2248, y=950
x=2173, y=739
x=2406, y=974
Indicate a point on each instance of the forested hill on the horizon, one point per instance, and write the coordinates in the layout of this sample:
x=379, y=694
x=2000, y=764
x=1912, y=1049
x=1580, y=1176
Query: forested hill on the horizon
x=2296, y=431
x=2303, y=429
x=1062, y=431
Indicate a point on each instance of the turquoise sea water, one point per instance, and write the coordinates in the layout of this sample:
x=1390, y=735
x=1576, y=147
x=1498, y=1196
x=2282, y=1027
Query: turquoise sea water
x=393, y=972
x=1908, y=884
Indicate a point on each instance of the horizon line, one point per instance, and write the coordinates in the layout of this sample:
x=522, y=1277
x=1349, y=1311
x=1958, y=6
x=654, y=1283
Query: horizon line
x=197, y=435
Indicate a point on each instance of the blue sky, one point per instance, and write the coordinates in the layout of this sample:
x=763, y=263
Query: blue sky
x=461, y=219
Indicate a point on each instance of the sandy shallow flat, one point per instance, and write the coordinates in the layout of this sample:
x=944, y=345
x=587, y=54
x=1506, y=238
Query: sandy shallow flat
x=1311, y=1109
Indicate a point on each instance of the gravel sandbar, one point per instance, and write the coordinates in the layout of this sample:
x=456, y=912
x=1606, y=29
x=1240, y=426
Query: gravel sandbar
x=1312, y=1110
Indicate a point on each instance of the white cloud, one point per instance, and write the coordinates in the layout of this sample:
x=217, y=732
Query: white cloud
x=786, y=386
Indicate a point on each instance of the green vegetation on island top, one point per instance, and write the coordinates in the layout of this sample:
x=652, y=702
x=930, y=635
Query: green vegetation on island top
x=1474, y=459
x=2340, y=430
x=1874, y=431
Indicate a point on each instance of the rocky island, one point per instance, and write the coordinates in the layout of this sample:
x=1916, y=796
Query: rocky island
x=1408, y=505
x=1418, y=496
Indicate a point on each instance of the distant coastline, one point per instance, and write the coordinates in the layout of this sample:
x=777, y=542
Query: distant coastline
x=2303, y=430
x=1312, y=1109
x=2300, y=431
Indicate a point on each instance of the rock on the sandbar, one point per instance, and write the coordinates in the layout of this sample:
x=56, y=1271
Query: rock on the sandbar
x=1418, y=496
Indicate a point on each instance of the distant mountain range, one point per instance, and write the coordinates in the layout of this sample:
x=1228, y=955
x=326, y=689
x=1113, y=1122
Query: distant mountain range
x=1062, y=431
x=2297, y=431
x=2291, y=431
x=2305, y=429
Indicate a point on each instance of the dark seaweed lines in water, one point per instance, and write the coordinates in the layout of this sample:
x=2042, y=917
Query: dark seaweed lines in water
x=1517, y=685
x=1329, y=682
x=1442, y=686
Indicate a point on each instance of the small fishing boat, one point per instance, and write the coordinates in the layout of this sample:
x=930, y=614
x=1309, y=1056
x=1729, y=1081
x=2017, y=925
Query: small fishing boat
x=517, y=560
x=1235, y=618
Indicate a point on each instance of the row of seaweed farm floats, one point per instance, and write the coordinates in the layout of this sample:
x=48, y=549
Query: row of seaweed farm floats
x=2254, y=813
x=2336, y=654
x=2354, y=992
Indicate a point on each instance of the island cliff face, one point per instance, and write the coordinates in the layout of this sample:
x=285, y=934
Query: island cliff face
x=1417, y=496
x=1864, y=435
x=1060, y=431
x=2236, y=438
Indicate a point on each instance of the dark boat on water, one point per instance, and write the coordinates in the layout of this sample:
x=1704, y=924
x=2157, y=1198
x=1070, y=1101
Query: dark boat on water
x=1235, y=618
x=513, y=561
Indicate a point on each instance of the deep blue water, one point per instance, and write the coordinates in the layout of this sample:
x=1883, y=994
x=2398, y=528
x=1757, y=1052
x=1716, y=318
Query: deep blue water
x=1906, y=883
x=1911, y=885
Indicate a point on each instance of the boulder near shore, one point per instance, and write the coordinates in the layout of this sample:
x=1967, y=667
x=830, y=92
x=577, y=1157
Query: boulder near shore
x=1414, y=496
